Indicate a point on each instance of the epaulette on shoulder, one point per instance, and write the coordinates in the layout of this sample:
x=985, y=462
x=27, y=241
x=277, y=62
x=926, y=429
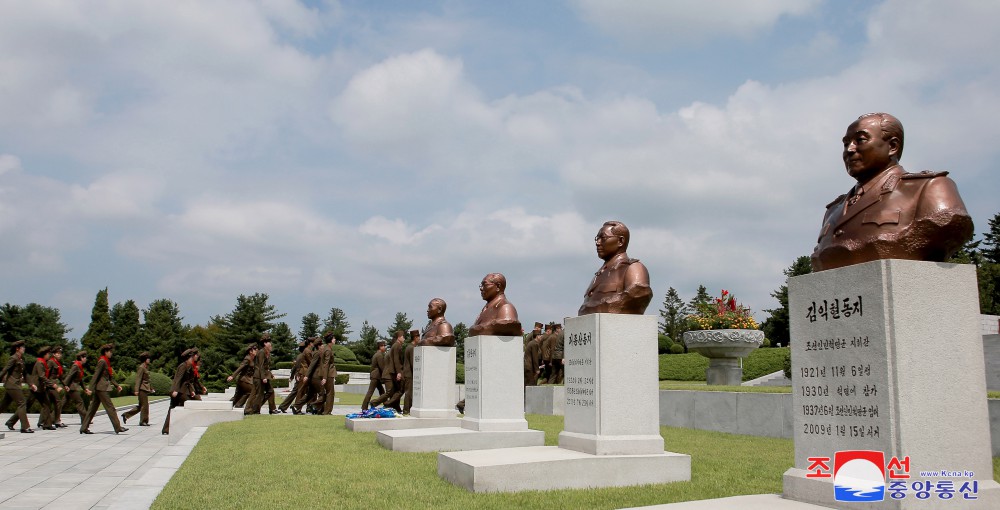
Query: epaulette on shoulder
x=836, y=200
x=926, y=174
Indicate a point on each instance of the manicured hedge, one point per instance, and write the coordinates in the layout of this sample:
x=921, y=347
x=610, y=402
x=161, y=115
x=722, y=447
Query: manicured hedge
x=691, y=366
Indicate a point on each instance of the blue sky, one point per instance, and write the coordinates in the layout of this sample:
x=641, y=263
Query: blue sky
x=374, y=155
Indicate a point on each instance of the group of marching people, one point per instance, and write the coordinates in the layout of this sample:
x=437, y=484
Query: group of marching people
x=54, y=386
x=313, y=372
x=543, y=355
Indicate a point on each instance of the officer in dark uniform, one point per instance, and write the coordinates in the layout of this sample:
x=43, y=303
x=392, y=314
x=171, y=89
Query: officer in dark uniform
x=889, y=213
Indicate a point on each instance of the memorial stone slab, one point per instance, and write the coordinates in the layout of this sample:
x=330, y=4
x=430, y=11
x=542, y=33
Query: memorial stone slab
x=887, y=358
x=434, y=382
x=494, y=384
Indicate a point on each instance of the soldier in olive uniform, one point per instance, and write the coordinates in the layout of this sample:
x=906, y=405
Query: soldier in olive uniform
x=55, y=374
x=558, y=348
x=142, y=390
x=180, y=388
x=296, y=376
x=397, y=355
x=100, y=385
x=408, y=370
x=303, y=392
x=375, y=376
x=386, y=375
x=13, y=380
x=262, y=378
x=331, y=377
x=532, y=358
x=38, y=378
x=244, y=377
x=73, y=382
x=545, y=346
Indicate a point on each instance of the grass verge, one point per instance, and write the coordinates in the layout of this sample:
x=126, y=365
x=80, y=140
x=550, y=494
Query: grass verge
x=315, y=462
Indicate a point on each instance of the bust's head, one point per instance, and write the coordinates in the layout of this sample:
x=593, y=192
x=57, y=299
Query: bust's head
x=611, y=240
x=872, y=144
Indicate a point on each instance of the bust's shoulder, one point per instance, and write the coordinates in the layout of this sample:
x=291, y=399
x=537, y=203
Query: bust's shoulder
x=839, y=200
x=926, y=174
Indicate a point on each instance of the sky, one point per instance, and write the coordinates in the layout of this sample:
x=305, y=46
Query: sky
x=371, y=156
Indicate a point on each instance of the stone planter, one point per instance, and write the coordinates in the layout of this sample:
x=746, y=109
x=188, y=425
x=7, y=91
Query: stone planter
x=724, y=348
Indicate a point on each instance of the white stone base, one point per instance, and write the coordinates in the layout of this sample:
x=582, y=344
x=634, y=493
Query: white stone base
x=184, y=418
x=453, y=439
x=208, y=405
x=548, y=399
x=402, y=423
x=217, y=396
x=494, y=384
x=551, y=467
x=434, y=382
x=820, y=492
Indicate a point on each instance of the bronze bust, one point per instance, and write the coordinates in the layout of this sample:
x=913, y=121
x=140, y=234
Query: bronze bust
x=621, y=285
x=889, y=213
x=437, y=332
x=498, y=317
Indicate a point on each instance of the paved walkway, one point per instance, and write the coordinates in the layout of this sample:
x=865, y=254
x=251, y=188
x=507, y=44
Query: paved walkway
x=64, y=470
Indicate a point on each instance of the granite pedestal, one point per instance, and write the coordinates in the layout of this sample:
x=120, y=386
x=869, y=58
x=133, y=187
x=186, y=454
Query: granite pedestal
x=494, y=404
x=434, y=395
x=887, y=358
x=548, y=399
x=607, y=441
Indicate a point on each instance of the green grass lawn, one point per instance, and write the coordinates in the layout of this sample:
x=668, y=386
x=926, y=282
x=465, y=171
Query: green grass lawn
x=702, y=386
x=313, y=461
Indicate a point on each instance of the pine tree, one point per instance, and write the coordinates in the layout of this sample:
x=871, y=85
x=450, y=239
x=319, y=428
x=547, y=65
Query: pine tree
x=701, y=297
x=400, y=323
x=251, y=317
x=365, y=347
x=282, y=343
x=461, y=333
x=164, y=334
x=337, y=322
x=991, y=241
x=99, y=332
x=776, y=327
x=310, y=326
x=126, y=333
x=34, y=324
x=673, y=314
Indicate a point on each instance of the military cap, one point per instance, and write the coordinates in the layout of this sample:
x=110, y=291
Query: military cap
x=107, y=347
x=16, y=345
x=44, y=350
x=188, y=353
x=143, y=356
x=538, y=325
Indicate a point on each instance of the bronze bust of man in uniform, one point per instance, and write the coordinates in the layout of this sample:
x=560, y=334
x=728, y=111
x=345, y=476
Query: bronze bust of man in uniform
x=437, y=332
x=621, y=285
x=498, y=317
x=889, y=213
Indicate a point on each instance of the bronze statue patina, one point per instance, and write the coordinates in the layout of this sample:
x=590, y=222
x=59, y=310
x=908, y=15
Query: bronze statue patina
x=621, y=285
x=889, y=213
x=498, y=317
x=437, y=332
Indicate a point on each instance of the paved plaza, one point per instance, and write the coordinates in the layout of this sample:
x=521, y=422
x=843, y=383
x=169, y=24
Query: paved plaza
x=65, y=470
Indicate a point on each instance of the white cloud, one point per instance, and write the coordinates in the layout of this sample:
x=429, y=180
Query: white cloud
x=686, y=22
x=9, y=163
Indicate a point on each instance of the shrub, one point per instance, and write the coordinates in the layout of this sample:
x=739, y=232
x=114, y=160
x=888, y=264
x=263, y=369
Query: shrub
x=350, y=367
x=460, y=373
x=788, y=364
x=676, y=349
x=343, y=354
x=160, y=382
x=283, y=364
x=341, y=379
x=665, y=343
x=691, y=366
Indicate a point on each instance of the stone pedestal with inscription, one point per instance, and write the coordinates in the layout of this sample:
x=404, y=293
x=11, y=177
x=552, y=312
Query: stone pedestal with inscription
x=887, y=368
x=611, y=436
x=434, y=382
x=494, y=404
x=434, y=395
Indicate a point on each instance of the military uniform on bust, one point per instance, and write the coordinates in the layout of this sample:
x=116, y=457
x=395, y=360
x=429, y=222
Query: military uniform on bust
x=13, y=381
x=73, y=382
x=100, y=386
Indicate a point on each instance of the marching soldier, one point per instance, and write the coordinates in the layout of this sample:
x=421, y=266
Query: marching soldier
x=262, y=378
x=142, y=390
x=100, y=385
x=13, y=380
x=73, y=382
x=375, y=377
x=39, y=380
x=54, y=373
x=180, y=389
x=558, y=345
x=408, y=370
x=532, y=358
x=298, y=369
x=244, y=377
